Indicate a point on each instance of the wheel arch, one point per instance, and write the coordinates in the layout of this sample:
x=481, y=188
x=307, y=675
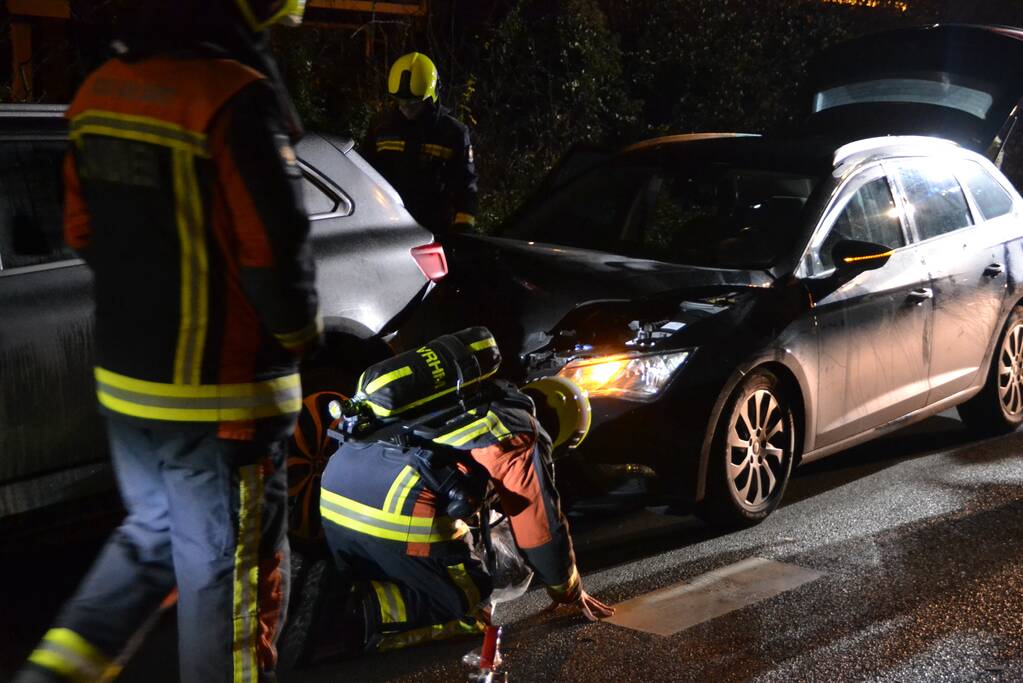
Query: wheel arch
x=782, y=365
x=349, y=347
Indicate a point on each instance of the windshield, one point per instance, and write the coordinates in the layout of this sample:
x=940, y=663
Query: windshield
x=715, y=215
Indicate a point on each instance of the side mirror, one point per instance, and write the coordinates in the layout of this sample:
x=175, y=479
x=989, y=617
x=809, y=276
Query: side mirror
x=854, y=256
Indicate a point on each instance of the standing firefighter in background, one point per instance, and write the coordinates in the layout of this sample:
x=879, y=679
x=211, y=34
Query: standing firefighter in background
x=183, y=198
x=424, y=151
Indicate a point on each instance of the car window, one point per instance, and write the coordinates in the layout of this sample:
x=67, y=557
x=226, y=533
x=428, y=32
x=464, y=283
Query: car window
x=935, y=201
x=318, y=200
x=590, y=213
x=713, y=215
x=31, y=203
x=725, y=217
x=870, y=215
x=992, y=199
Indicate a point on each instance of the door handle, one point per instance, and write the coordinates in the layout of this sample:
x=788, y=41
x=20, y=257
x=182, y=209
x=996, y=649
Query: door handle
x=994, y=270
x=918, y=296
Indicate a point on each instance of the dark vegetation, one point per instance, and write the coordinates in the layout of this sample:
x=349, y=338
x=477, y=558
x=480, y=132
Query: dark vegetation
x=534, y=77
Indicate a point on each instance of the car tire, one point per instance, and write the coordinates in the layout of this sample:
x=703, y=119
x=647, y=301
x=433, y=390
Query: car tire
x=311, y=578
x=751, y=453
x=998, y=408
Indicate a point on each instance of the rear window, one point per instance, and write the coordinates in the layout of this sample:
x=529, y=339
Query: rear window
x=935, y=201
x=991, y=197
x=912, y=90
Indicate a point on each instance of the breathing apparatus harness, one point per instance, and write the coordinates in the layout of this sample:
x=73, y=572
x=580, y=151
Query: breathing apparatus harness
x=461, y=491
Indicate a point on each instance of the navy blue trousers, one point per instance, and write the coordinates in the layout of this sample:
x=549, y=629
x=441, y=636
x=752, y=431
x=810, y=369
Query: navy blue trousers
x=207, y=515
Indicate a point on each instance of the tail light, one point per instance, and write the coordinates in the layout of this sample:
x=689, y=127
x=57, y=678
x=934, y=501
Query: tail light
x=431, y=260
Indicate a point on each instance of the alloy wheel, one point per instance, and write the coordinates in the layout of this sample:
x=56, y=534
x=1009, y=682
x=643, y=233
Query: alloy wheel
x=759, y=444
x=1010, y=372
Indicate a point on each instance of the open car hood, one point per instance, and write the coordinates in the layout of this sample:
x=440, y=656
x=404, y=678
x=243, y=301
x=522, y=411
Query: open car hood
x=959, y=82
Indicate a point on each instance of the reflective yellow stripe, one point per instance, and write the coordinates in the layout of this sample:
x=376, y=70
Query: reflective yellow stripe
x=438, y=151
x=487, y=343
x=140, y=129
x=194, y=271
x=402, y=615
x=396, y=486
x=68, y=654
x=246, y=574
x=299, y=338
x=380, y=411
x=491, y=424
x=409, y=485
x=452, y=629
x=465, y=583
x=363, y=519
x=387, y=611
x=569, y=586
x=497, y=427
x=198, y=402
x=58, y=664
x=391, y=145
x=385, y=379
x=465, y=218
x=241, y=390
x=375, y=513
x=466, y=433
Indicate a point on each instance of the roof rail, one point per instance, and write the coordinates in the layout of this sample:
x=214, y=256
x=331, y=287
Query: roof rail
x=9, y=110
x=862, y=149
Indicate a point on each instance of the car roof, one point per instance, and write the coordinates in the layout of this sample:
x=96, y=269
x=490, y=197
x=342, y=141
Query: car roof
x=889, y=146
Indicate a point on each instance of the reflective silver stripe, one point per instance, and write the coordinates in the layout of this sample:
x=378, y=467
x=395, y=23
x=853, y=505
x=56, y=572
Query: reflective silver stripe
x=407, y=474
x=374, y=522
x=72, y=664
x=135, y=126
x=257, y=400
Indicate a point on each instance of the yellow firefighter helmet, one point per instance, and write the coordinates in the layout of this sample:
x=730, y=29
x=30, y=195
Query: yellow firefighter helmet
x=562, y=408
x=262, y=14
x=413, y=77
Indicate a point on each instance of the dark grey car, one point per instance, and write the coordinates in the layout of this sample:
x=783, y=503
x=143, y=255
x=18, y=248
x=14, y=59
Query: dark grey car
x=738, y=304
x=373, y=263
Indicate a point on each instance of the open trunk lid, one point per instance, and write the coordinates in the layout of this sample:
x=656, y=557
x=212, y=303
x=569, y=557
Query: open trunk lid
x=959, y=82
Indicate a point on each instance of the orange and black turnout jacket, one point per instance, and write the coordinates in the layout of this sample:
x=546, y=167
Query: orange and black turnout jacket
x=183, y=197
x=379, y=505
x=429, y=161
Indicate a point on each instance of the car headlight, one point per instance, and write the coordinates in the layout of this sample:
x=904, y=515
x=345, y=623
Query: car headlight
x=625, y=375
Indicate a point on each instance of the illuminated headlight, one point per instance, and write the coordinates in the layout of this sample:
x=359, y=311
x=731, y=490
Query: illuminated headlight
x=626, y=375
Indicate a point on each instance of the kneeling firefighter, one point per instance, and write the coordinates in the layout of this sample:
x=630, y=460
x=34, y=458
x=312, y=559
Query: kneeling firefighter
x=425, y=439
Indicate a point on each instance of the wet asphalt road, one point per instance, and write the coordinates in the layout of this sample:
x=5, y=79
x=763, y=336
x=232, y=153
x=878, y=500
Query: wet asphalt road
x=919, y=538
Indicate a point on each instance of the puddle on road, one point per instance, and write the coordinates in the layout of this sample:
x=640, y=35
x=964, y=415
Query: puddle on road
x=669, y=610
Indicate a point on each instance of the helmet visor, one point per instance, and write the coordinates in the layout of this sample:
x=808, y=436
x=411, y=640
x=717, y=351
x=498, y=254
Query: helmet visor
x=262, y=14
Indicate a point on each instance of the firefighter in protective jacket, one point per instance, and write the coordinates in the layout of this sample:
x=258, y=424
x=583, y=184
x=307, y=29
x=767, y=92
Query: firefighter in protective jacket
x=183, y=197
x=424, y=151
x=389, y=522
